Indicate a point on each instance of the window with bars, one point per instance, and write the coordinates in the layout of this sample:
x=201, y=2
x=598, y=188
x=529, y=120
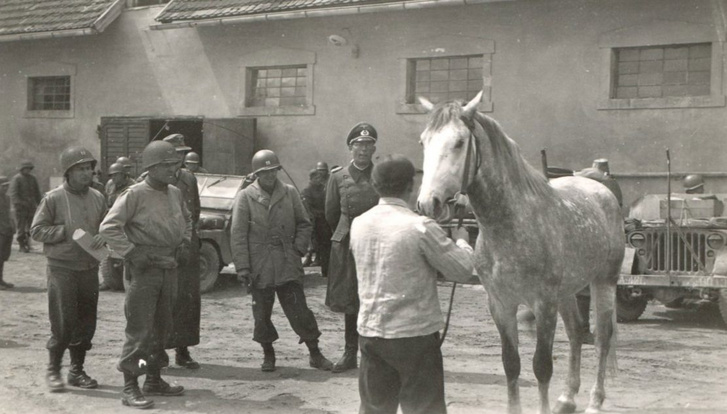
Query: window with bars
x=662, y=71
x=49, y=93
x=444, y=78
x=281, y=86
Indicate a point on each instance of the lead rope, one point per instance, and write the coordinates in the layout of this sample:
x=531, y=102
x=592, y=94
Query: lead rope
x=460, y=211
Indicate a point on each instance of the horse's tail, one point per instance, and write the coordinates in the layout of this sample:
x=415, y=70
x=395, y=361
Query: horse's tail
x=611, y=360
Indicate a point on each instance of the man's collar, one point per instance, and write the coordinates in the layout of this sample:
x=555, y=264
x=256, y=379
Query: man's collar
x=73, y=190
x=393, y=201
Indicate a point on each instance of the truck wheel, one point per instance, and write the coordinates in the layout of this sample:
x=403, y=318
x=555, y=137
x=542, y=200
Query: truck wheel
x=628, y=308
x=209, y=266
x=723, y=304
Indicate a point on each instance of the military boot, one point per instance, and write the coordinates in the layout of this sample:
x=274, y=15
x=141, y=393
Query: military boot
x=132, y=396
x=77, y=376
x=268, y=364
x=348, y=360
x=53, y=374
x=155, y=385
x=184, y=359
x=317, y=360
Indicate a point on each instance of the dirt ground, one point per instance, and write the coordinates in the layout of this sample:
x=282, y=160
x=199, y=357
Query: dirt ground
x=671, y=361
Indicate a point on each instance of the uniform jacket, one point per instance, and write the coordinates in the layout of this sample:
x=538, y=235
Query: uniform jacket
x=270, y=234
x=113, y=192
x=7, y=225
x=314, y=198
x=61, y=212
x=187, y=183
x=24, y=192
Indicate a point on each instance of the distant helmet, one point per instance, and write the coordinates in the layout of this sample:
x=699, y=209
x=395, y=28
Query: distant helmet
x=26, y=164
x=158, y=152
x=75, y=155
x=192, y=158
x=264, y=160
x=116, y=168
x=178, y=141
x=322, y=166
x=125, y=162
x=693, y=182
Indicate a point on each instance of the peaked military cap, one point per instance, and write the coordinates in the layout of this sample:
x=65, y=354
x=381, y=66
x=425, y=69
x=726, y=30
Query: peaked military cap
x=362, y=132
x=178, y=141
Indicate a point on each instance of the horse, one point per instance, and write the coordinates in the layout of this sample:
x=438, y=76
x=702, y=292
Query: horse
x=539, y=243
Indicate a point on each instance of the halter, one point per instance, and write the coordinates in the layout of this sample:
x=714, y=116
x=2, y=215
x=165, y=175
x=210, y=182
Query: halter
x=466, y=181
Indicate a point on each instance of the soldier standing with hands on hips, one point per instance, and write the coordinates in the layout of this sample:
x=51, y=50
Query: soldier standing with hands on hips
x=72, y=272
x=150, y=227
x=349, y=193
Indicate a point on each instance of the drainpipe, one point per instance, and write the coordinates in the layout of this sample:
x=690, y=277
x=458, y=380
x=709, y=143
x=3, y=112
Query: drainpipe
x=302, y=14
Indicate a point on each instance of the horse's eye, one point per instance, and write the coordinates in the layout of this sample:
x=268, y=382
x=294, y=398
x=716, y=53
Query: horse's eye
x=459, y=144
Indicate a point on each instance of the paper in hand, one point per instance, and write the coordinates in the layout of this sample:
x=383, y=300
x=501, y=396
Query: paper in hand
x=85, y=240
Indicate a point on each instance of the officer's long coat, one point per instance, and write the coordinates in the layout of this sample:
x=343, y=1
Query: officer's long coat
x=349, y=194
x=270, y=234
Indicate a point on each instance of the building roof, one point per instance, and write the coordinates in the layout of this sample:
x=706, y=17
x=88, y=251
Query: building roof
x=24, y=19
x=196, y=10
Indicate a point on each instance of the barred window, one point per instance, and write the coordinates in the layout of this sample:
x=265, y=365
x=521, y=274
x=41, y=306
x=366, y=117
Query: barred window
x=444, y=78
x=662, y=71
x=278, y=86
x=49, y=93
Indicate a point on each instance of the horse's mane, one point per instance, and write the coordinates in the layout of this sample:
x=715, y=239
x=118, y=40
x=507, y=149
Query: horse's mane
x=505, y=151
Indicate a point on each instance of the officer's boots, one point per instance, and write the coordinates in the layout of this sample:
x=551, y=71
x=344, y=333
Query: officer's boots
x=184, y=359
x=155, y=385
x=317, y=360
x=268, y=364
x=77, y=376
x=349, y=358
x=132, y=396
x=53, y=375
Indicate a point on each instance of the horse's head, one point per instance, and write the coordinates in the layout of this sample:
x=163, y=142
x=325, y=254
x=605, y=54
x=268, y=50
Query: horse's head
x=446, y=142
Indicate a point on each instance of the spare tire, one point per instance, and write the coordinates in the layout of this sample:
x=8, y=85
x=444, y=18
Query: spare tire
x=628, y=308
x=209, y=266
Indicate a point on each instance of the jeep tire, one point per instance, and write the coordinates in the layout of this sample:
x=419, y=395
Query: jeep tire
x=628, y=309
x=209, y=266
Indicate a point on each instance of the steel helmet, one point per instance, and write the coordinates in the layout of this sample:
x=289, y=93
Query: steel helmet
x=693, y=182
x=26, y=164
x=191, y=158
x=116, y=168
x=75, y=155
x=158, y=152
x=322, y=166
x=264, y=160
x=125, y=162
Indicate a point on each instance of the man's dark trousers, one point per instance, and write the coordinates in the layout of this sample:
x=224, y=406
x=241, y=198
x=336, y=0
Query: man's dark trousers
x=72, y=307
x=148, y=307
x=406, y=371
x=24, y=217
x=292, y=300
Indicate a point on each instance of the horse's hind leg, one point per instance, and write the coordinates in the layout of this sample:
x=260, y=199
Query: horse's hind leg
x=546, y=318
x=506, y=322
x=604, y=295
x=572, y=319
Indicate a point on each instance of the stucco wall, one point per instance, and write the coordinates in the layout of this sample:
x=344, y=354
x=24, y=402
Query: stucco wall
x=546, y=74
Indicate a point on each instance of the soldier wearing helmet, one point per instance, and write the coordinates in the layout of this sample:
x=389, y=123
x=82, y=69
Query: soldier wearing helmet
x=191, y=161
x=112, y=269
x=72, y=272
x=269, y=235
x=25, y=195
x=694, y=184
x=125, y=165
x=349, y=193
x=151, y=228
x=314, y=198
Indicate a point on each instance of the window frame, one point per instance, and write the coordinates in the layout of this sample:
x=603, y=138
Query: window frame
x=659, y=34
x=275, y=58
x=448, y=46
x=50, y=69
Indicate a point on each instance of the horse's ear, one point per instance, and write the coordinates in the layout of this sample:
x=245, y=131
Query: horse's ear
x=471, y=106
x=425, y=103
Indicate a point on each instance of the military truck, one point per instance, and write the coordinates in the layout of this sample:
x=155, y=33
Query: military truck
x=675, y=252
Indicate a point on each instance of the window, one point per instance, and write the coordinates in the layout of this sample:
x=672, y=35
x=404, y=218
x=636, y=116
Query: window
x=659, y=65
x=661, y=72
x=464, y=71
x=277, y=81
x=279, y=86
x=445, y=78
x=49, y=93
x=141, y=3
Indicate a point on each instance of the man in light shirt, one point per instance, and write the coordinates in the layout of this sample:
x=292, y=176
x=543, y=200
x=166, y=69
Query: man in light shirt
x=398, y=254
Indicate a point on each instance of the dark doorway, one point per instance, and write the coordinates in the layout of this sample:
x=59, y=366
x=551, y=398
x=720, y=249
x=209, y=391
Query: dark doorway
x=190, y=128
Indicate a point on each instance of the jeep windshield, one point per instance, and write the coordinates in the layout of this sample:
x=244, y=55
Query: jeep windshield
x=217, y=192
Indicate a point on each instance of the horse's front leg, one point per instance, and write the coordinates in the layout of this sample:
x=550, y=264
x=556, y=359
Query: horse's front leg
x=568, y=309
x=505, y=319
x=546, y=317
x=604, y=295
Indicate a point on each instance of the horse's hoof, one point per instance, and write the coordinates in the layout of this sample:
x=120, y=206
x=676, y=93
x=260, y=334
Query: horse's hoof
x=593, y=410
x=564, y=407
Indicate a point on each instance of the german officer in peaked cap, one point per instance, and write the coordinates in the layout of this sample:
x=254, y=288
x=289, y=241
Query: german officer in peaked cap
x=349, y=193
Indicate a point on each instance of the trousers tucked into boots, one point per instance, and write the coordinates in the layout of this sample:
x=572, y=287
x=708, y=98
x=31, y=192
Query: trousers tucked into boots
x=53, y=375
x=131, y=396
x=349, y=358
x=77, y=376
